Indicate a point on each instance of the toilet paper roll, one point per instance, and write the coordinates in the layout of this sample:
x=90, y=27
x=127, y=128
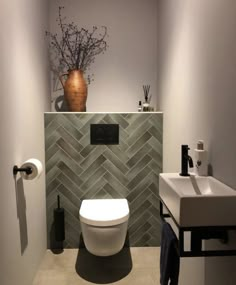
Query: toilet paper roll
x=36, y=167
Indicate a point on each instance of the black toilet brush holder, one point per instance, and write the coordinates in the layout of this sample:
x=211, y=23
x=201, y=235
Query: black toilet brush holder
x=59, y=222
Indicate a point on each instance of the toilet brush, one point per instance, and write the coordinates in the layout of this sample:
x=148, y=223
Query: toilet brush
x=59, y=222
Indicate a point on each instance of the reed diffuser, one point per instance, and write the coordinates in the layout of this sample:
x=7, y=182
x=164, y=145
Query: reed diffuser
x=147, y=98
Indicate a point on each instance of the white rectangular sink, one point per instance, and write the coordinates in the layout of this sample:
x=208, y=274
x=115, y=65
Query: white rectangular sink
x=198, y=201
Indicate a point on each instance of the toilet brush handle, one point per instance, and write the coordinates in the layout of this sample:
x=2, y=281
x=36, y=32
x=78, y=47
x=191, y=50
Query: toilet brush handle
x=58, y=202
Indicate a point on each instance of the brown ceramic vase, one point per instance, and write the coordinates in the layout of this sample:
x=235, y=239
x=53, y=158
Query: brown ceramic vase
x=75, y=90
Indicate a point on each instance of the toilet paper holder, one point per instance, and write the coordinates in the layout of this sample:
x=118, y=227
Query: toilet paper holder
x=27, y=170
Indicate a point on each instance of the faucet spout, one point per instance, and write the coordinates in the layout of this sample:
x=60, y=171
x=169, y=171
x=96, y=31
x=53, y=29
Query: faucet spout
x=186, y=160
x=190, y=161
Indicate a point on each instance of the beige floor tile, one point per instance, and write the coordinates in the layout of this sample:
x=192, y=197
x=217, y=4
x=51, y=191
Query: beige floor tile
x=143, y=257
x=51, y=277
x=65, y=260
x=140, y=277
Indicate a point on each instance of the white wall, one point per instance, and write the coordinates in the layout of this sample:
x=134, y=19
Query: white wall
x=197, y=85
x=24, y=97
x=129, y=61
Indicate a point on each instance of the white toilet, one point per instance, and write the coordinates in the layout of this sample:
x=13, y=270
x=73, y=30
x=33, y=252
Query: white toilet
x=104, y=224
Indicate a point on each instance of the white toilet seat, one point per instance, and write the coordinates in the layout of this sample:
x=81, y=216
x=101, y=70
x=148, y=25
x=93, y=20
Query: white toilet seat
x=104, y=212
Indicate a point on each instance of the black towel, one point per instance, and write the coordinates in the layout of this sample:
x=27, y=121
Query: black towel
x=169, y=259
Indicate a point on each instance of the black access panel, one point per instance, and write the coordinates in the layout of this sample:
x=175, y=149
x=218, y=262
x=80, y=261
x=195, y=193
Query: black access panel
x=104, y=134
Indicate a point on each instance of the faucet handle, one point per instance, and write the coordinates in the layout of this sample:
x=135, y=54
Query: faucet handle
x=185, y=146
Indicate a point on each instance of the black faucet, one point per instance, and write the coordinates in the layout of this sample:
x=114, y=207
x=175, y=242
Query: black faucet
x=185, y=160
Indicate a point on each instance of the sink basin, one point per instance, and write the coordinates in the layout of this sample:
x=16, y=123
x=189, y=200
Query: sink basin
x=198, y=201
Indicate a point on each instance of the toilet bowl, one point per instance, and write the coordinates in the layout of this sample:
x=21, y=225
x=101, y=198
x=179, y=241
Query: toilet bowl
x=104, y=224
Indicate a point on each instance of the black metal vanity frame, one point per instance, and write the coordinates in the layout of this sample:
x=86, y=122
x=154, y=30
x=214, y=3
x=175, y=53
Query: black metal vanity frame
x=197, y=235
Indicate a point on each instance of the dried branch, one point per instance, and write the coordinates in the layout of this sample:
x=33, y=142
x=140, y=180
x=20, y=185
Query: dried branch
x=77, y=47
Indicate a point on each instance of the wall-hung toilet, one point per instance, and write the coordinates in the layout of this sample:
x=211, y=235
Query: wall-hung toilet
x=104, y=224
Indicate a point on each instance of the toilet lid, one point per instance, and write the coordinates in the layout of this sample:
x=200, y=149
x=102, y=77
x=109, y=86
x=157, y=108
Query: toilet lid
x=104, y=212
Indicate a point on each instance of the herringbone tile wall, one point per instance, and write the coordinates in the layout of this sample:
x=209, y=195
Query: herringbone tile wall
x=78, y=170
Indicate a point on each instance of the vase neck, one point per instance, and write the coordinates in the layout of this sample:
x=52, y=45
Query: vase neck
x=75, y=71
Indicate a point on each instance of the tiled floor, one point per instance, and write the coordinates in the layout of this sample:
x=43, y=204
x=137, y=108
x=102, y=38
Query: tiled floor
x=136, y=265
